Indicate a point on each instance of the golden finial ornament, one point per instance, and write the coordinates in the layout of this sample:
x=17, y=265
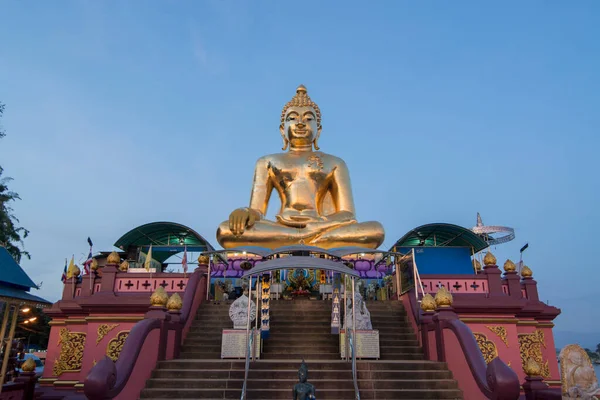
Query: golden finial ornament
x=428, y=303
x=532, y=368
x=203, y=259
x=124, y=266
x=94, y=265
x=28, y=365
x=509, y=266
x=75, y=272
x=159, y=298
x=489, y=259
x=526, y=272
x=443, y=298
x=113, y=258
x=477, y=265
x=175, y=303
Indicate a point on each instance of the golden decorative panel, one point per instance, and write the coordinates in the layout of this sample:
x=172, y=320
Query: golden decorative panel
x=116, y=345
x=487, y=347
x=500, y=331
x=103, y=329
x=530, y=346
x=71, y=352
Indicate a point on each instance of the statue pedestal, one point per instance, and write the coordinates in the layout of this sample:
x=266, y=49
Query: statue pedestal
x=234, y=344
x=366, y=344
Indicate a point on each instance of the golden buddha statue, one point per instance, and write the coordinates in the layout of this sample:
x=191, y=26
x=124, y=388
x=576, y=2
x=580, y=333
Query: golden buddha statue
x=317, y=207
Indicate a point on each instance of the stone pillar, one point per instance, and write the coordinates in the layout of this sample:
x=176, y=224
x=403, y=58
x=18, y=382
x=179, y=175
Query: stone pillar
x=29, y=380
x=529, y=284
x=493, y=274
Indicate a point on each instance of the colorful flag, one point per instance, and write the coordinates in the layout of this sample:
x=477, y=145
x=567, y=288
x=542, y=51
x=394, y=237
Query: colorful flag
x=63, y=278
x=148, y=262
x=86, y=264
x=71, y=267
x=184, y=261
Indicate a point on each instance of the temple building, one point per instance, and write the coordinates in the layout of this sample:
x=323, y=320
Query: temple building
x=306, y=303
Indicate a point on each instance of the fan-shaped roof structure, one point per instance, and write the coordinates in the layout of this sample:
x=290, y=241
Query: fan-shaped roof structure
x=165, y=238
x=442, y=235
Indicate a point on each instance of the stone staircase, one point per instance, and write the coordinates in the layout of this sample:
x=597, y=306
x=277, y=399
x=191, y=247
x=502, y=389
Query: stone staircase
x=301, y=329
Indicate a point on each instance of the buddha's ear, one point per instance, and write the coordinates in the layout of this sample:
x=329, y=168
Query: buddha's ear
x=316, y=139
x=286, y=142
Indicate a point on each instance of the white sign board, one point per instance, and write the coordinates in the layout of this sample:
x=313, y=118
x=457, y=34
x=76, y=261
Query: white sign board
x=233, y=343
x=366, y=344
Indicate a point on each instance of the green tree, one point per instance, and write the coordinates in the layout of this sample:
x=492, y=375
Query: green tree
x=11, y=234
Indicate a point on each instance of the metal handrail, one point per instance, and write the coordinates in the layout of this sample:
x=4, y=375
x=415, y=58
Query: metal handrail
x=247, y=366
x=249, y=340
x=354, y=379
x=351, y=337
x=417, y=278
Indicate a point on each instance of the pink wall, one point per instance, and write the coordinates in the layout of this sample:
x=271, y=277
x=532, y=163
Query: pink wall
x=92, y=351
x=457, y=363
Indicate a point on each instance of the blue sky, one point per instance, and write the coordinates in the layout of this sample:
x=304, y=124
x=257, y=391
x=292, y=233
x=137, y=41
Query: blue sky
x=122, y=113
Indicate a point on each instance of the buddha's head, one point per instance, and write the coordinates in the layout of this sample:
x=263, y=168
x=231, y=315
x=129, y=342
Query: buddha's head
x=300, y=122
x=303, y=372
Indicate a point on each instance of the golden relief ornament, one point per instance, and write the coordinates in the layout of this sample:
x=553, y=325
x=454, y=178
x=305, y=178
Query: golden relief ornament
x=103, y=329
x=487, y=347
x=530, y=346
x=500, y=331
x=114, y=347
x=578, y=379
x=159, y=298
x=113, y=258
x=71, y=352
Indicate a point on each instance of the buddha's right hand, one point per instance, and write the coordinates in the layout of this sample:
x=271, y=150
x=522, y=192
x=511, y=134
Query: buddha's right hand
x=241, y=219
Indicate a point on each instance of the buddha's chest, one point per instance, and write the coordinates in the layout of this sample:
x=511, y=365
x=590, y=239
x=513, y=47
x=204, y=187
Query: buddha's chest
x=311, y=168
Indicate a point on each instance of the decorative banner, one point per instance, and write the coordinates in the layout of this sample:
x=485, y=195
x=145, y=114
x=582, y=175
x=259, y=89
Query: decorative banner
x=335, y=309
x=264, y=309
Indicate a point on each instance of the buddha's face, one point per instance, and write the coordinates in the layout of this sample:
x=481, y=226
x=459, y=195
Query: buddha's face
x=300, y=126
x=302, y=376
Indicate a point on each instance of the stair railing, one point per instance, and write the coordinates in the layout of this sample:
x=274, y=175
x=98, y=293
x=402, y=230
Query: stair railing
x=247, y=366
x=249, y=340
x=417, y=278
x=351, y=342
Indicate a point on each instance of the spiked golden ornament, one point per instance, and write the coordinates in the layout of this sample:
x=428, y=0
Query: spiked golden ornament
x=526, y=272
x=28, y=365
x=175, y=303
x=428, y=303
x=94, y=265
x=159, y=298
x=477, y=265
x=509, y=266
x=489, y=259
x=532, y=368
x=443, y=298
x=203, y=259
x=113, y=258
x=124, y=266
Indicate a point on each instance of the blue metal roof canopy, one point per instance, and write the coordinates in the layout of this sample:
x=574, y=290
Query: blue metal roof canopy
x=15, y=283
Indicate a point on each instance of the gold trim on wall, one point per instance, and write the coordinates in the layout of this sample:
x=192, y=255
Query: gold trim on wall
x=115, y=318
x=487, y=347
x=103, y=330
x=530, y=346
x=72, y=345
x=500, y=331
x=490, y=320
x=114, y=347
